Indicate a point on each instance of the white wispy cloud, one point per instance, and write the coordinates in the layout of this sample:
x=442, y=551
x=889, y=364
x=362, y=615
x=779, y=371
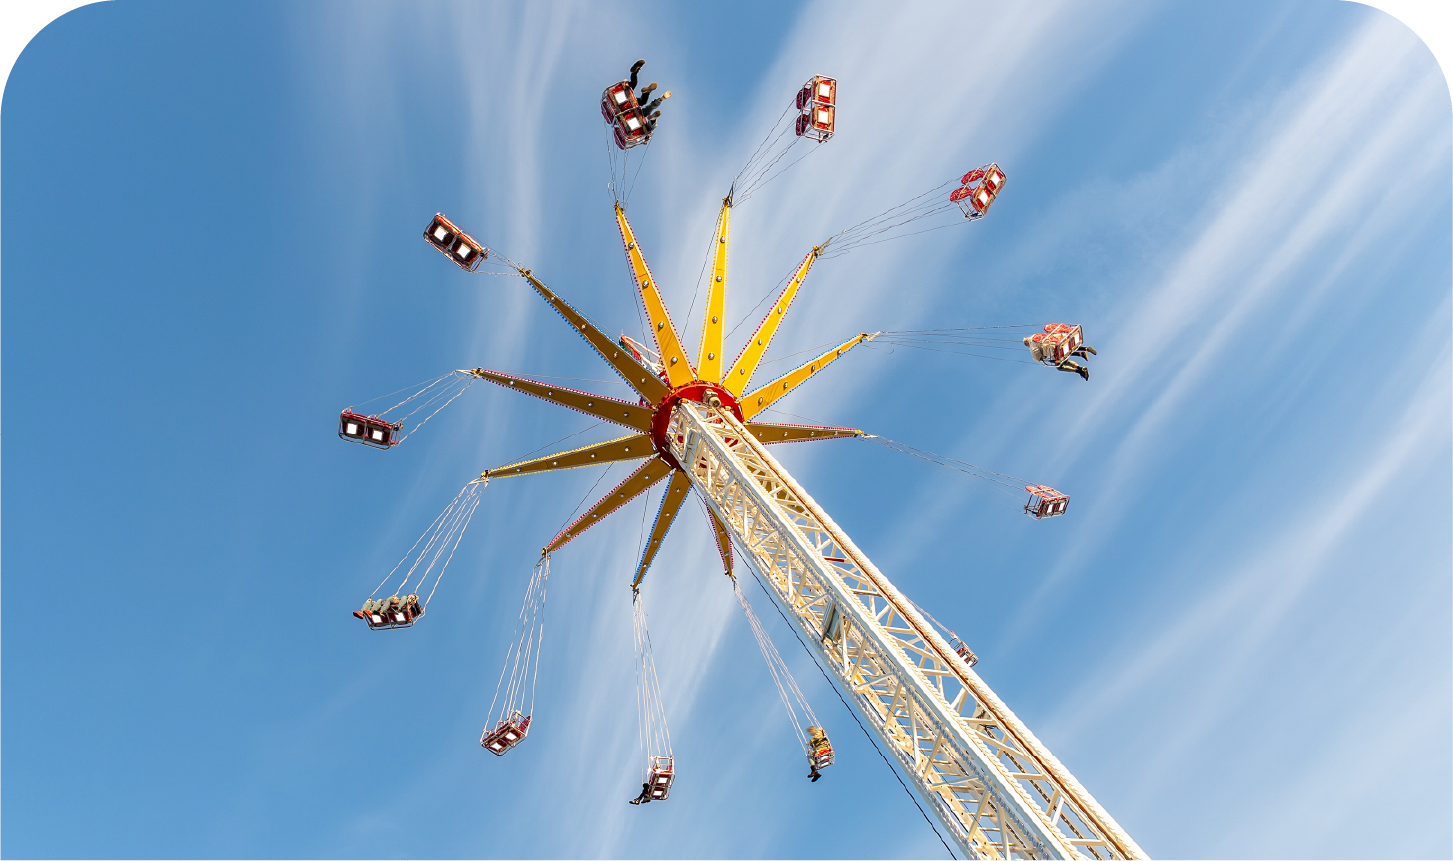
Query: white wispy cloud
x=1273, y=253
x=1293, y=200
x=860, y=172
x=1297, y=164
x=770, y=233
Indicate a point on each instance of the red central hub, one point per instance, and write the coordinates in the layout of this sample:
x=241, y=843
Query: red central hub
x=692, y=391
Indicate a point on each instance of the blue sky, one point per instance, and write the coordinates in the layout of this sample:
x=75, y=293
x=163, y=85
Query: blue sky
x=1238, y=638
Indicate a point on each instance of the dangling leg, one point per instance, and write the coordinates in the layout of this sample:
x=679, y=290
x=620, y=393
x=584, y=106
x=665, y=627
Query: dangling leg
x=646, y=93
x=645, y=795
x=635, y=70
x=814, y=774
x=1073, y=367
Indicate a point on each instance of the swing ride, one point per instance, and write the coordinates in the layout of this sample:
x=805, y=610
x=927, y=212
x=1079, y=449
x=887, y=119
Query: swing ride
x=697, y=426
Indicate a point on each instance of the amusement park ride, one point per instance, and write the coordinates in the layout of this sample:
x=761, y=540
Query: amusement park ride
x=696, y=426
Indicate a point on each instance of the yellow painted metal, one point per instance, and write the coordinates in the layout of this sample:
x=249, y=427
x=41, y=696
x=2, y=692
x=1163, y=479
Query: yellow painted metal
x=755, y=402
x=723, y=541
x=635, y=484
x=676, y=493
x=668, y=342
x=741, y=373
x=709, y=362
x=633, y=447
x=631, y=415
x=767, y=433
x=646, y=384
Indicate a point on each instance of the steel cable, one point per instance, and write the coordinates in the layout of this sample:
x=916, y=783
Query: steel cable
x=751, y=566
x=522, y=659
x=651, y=712
x=787, y=687
x=445, y=533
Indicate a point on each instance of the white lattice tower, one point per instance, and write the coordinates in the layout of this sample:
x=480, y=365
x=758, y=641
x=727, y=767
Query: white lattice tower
x=993, y=785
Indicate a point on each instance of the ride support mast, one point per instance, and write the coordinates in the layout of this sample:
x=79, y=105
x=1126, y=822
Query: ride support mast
x=1000, y=793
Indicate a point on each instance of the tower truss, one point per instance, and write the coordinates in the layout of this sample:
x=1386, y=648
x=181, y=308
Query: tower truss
x=994, y=786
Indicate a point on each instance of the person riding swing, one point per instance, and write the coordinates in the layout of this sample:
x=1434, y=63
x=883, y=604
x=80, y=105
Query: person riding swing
x=817, y=740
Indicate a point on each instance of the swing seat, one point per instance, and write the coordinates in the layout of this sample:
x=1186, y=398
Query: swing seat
x=630, y=128
x=1059, y=341
x=963, y=651
x=506, y=734
x=455, y=244
x=820, y=89
x=1045, y=501
x=616, y=99
x=369, y=430
x=660, y=776
x=978, y=190
x=993, y=179
x=817, y=122
x=402, y=616
x=821, y=757
x=817, y=108
x=973, y=202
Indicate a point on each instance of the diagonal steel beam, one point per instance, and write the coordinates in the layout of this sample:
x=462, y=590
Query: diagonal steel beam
x=709, y=362
x=742, y=369
x=633, y=447
x=620, y=412
x=668, y=341
x=771, y=433
x=754, y=402
x=635, y=484
x=646, y=384
x=723, y=540
x=676, y=493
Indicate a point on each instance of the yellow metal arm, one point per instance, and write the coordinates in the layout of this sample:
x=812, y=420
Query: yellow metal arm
x=631, y=415
x=737, y=378
x=709, y=362
x=767, y=434
x=648, y=385
x=633, y=447
x=764, y=397
x=676, y=493
x=723, y=541
x=635, y=484
x=668, y=342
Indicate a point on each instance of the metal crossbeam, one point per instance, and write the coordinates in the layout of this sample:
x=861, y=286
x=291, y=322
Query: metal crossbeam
x=993, y=785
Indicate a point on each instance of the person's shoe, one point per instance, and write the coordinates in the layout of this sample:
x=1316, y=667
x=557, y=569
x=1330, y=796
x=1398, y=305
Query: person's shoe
x=634, y=801
x=359, y=614
x=1084, y=371
x=1092, y=350
x=637, y=67
x=816, y=776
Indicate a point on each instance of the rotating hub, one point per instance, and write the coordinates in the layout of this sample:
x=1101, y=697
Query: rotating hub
x=696, y=390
